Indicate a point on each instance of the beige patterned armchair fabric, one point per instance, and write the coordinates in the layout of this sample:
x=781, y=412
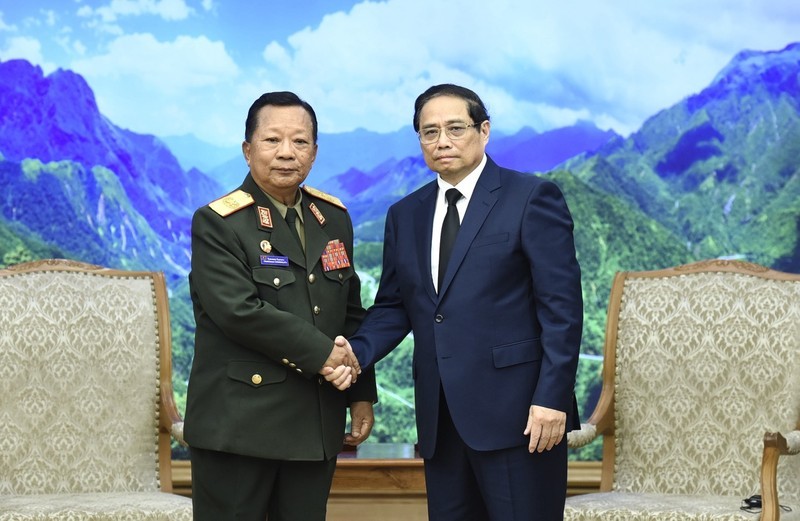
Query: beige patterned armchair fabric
x=86, y=403
x=700, y=361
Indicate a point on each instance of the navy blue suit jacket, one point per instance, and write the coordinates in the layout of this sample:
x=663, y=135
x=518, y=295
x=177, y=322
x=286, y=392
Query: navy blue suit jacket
x=504, y=331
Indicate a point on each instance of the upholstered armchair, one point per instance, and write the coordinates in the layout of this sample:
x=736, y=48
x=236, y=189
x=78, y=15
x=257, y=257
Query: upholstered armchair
x=700, y=361
x=86, y=405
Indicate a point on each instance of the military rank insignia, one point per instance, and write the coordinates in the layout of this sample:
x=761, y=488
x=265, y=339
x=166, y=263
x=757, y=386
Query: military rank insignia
x=231, y=203
x=334, y=257
x=317, y=214
x=264, y=217
x=325, y=197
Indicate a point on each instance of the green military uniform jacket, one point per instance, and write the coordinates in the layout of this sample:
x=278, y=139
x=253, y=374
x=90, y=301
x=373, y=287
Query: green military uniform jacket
x=266, y=315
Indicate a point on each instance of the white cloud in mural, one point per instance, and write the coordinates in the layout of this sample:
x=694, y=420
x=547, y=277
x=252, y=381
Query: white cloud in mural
x=535, y=63
x=4, y=26
x=179, y=66
x=116, y=9
x=166, y=87
x=22, y=47
x=182, y=64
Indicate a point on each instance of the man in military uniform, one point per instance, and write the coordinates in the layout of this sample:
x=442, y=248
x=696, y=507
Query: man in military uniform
x=273, y=283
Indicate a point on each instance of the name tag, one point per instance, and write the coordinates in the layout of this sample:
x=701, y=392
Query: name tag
x=274, y=260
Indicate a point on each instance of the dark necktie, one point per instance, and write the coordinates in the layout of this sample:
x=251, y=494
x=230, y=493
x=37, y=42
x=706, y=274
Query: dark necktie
x=449, y=232
x=291, y=218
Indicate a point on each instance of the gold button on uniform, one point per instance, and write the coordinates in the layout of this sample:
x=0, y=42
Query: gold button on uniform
x=341, y=276
x=276, y=281
x=256, y=379
x=311, y=278
x=317, y=310
x=285, y=361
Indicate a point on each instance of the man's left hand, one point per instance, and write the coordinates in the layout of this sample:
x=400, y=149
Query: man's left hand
x=340, y=377
x=546, y=428
x=361, y=421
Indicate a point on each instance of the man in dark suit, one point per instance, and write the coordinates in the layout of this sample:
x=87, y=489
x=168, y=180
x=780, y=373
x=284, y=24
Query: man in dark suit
x=497, y=327
x=269, y=298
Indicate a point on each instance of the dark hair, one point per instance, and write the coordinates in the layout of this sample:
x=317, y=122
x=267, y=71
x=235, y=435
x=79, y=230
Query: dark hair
x=279, y=99
x=475, y=107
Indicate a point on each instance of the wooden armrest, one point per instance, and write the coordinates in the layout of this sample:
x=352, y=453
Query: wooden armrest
x=775, y=445
x=600, y=422
x=582, y=437
x=168, y=414
x=170, y=418
x=793, y=442
x=177, y=433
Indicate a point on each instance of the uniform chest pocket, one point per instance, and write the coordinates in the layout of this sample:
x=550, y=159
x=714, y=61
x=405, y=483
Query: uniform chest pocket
x=341, y=276
x=256, y=374
x=276, y=278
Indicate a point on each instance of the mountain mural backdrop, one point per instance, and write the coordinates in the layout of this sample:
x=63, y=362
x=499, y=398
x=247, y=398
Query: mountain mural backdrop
x=715, y=175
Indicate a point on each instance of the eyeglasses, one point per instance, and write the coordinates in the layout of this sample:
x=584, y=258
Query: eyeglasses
x=455, y=131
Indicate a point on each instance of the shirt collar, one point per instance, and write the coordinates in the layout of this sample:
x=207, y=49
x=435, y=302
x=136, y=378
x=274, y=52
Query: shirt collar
x=467, y=185
x=282, y=207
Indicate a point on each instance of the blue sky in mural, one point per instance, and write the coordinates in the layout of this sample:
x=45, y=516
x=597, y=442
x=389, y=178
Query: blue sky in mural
x=173, y=67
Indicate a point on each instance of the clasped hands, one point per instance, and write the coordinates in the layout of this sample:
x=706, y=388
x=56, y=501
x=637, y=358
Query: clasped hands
x=341, y=368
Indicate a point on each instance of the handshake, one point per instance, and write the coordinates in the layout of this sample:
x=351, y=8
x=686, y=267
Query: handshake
x=342, y=367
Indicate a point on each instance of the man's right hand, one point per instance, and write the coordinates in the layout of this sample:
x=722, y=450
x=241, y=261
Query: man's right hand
x=342, y=367
x=342, y=354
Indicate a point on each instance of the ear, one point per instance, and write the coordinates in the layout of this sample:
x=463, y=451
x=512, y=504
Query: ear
x=486, y=129
x=246, y=151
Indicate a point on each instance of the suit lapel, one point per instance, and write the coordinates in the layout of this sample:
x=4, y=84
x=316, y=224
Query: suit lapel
x=480, y=204
x=423, y=228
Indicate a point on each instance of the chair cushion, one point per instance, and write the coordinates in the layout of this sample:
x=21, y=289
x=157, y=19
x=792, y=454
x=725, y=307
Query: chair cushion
x=130, y=506
x=611, y=506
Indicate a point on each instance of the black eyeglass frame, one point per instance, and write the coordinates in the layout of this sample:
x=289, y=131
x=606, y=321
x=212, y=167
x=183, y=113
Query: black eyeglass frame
x=447, y=129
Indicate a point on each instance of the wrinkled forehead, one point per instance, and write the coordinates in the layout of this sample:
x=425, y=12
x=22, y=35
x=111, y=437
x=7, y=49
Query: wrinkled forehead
x=294, y=118
x=444, y=110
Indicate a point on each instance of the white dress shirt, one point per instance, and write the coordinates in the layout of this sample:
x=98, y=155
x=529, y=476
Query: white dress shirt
x=466, y=187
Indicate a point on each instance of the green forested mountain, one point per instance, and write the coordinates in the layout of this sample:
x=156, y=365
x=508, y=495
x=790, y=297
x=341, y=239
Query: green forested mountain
x=720, y=168
x=716, y=175
x=85, y=214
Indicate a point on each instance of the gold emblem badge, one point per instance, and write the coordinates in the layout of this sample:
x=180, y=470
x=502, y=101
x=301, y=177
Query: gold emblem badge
x=231, y=203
